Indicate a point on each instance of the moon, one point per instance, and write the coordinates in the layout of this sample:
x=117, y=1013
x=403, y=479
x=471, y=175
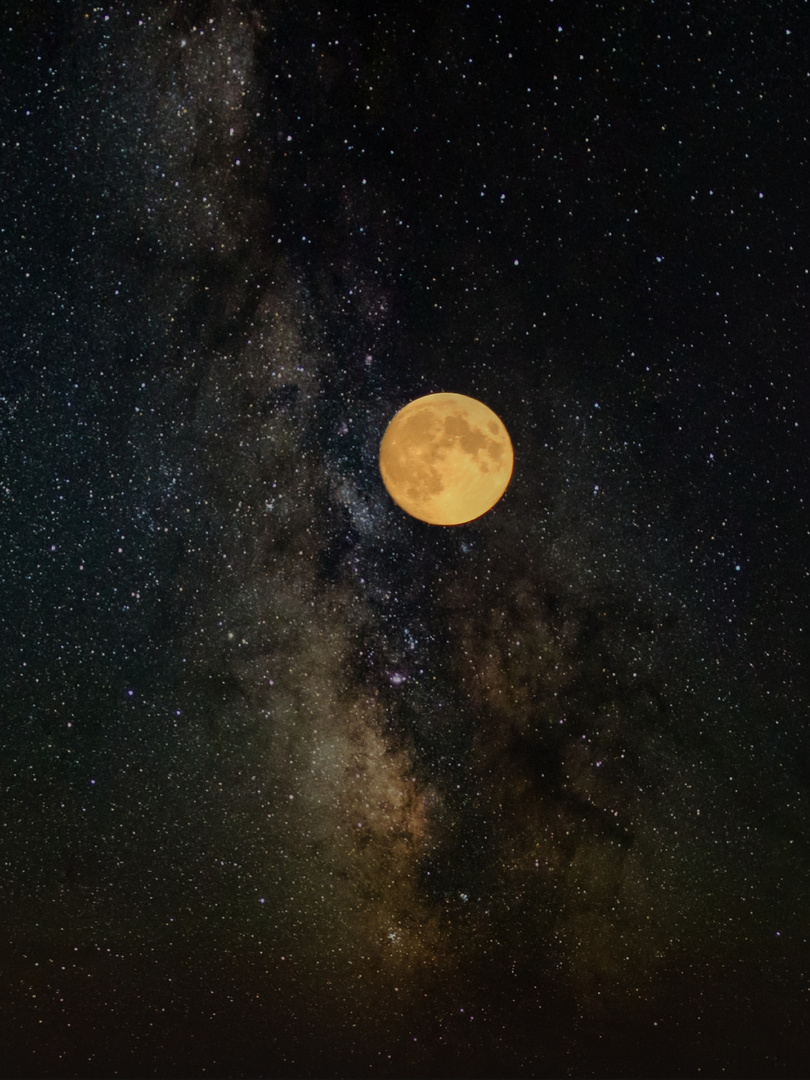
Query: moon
x=446, y=459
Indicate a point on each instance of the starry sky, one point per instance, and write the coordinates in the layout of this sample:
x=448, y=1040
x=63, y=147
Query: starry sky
x=294, y=784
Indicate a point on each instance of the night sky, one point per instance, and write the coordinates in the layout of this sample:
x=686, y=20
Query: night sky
x=293, y=784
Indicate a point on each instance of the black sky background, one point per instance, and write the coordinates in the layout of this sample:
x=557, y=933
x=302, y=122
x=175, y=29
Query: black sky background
x=293, y=784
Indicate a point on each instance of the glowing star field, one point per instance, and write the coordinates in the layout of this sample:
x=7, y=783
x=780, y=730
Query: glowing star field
x=405, y=562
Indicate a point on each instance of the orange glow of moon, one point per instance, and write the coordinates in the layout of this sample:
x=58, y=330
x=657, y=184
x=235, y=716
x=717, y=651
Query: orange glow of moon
x=446, y=459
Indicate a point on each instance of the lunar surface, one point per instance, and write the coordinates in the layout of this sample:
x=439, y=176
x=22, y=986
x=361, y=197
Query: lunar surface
x=446, y=459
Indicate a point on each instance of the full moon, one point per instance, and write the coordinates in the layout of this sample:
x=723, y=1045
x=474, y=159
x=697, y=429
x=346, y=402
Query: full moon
x=446, y=459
